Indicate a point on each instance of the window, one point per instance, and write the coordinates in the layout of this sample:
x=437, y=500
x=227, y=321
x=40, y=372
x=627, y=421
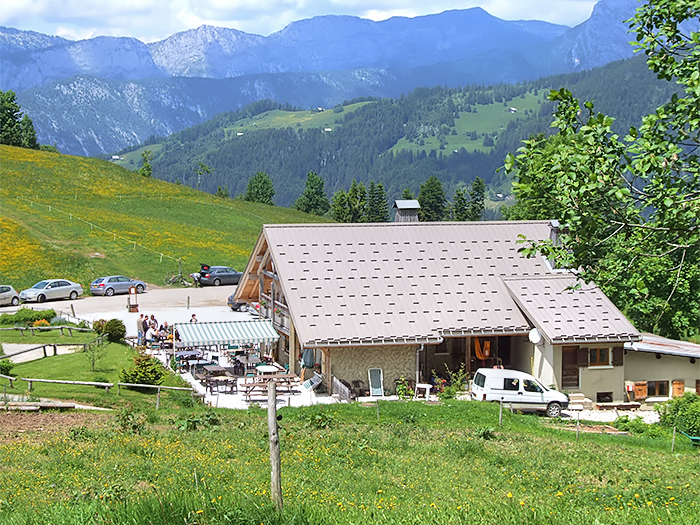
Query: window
x=511, y=384
x=599, y=357
x=657, y=388
x=530, y=386
x=480, y=380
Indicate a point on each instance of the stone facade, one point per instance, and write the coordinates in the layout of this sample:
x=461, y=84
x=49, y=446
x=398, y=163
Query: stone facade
x=352, y=363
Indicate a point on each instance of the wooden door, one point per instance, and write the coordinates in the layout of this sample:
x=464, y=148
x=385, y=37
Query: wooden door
x=569, y=368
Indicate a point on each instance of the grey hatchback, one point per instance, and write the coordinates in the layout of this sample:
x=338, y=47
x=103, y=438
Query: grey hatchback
x=115, y=284
x=217, y=275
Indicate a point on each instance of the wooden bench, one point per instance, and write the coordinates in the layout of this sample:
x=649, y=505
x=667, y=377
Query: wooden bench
x=250, y=388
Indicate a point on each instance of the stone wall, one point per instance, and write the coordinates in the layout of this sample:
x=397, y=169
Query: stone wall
x=352, y=363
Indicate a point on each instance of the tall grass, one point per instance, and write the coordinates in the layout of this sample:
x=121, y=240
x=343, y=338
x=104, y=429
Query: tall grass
x=80, y=218
x=416, y=464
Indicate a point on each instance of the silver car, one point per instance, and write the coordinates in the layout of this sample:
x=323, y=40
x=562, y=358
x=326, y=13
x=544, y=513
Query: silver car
x=51, y=289
x=115, y=284
x=8, y=295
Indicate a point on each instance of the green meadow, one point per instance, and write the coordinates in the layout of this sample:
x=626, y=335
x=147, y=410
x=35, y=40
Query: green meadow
x=79, y=218
x=380, y=463
x=488, y=118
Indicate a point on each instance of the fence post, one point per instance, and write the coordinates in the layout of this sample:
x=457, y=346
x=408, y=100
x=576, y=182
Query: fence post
x=55, y=350
x=158, y=399
x=273, y=432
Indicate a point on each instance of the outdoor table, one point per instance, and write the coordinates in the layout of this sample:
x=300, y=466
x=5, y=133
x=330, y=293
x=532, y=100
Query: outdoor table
x=267, y=369
x=214, y=368
x=186, y=353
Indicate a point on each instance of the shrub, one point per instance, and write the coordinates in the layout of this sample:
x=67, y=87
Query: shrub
x=6, y=367
x=147, y=370
x=115, y=330
x=26, y=317
x=99, y=325
x=682, y=413
x=129, y=421
x=403, y=389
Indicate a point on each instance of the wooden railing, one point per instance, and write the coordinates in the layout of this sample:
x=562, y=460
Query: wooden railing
x=95, y=342
x=32, y=329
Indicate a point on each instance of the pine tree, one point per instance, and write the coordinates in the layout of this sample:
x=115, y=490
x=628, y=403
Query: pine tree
x=16, y=129
x=431, y=198
x=407, y=195
x=477, y=196
x=460, y=208
x=357, y=201
x=340, y=210
x=313, y=200
x=260, y=189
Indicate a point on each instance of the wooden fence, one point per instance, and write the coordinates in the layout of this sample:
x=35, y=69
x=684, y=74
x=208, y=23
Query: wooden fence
x=99, y=341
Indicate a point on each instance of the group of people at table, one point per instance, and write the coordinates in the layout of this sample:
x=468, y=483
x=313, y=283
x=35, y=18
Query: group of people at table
x=255, y=370
x=150, y=332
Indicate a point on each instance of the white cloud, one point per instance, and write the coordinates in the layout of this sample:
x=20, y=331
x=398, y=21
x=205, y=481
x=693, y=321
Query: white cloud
x=150, y=20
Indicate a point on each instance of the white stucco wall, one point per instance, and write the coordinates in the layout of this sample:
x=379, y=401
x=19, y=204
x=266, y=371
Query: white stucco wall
x=545, y=364
x=643, y=366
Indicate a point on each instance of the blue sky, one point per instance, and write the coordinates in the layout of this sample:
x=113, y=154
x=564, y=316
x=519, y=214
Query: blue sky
x=151, y=20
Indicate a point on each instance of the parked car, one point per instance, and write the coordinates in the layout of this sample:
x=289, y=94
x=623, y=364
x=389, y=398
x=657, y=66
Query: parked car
x=51, y=289
x=218, y=275
x=8, y=295
x=236, y=307
x=518, y=389
x=115, y=284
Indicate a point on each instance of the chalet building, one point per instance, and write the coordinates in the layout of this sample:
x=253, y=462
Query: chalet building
x=415, y=299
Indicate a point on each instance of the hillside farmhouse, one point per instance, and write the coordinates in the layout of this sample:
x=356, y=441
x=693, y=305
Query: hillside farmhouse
x=415, y=299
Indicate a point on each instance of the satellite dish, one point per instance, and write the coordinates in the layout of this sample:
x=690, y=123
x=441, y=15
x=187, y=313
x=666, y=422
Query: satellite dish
x=535, y=336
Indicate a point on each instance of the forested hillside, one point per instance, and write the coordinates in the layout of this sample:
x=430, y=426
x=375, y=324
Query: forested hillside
x=455, y=134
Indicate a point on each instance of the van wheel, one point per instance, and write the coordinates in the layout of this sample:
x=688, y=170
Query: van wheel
x=554, y=410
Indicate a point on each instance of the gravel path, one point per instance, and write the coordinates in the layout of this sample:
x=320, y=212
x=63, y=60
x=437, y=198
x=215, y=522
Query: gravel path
x=608, y=416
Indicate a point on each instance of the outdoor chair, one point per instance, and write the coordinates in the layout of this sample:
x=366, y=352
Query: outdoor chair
x=376, y=382
x=358, y=386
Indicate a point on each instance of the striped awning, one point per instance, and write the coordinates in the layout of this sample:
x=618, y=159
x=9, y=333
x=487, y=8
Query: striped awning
x=228, y=332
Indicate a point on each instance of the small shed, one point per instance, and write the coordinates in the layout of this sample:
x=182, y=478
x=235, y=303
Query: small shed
x=406, y=210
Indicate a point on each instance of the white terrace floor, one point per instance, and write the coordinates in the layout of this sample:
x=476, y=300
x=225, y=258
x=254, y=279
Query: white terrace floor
x=296, y=397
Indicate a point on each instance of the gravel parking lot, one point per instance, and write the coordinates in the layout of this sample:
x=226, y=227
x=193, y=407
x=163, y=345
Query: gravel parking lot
x=174, y=305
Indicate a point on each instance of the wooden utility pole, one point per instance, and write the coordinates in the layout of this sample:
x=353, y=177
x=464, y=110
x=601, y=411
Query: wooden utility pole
x=276, y=471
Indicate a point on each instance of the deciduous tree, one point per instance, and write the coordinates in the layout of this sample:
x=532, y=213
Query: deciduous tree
x=630, y=207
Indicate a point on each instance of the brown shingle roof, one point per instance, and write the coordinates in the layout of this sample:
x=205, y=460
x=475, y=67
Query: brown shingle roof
x=565, y=315
x=355, y=284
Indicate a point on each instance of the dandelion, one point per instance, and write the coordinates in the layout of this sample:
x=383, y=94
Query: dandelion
x=510, y=494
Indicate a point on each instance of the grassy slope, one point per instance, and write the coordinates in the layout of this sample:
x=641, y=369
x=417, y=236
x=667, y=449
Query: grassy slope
x=79, y=218
x=406, y=463
x=487, y=118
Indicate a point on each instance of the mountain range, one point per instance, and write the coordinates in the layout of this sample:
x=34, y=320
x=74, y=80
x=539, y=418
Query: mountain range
x=102, y=94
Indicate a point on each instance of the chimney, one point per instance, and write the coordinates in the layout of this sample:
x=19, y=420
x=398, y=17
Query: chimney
x=406, y=210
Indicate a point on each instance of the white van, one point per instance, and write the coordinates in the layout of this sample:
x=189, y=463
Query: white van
x=518, y=389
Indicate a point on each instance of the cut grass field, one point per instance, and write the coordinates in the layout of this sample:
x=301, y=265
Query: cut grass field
x=78, y=367
x=81, y=218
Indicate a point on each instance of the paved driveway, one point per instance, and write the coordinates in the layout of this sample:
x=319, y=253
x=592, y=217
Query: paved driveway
x=174, y=305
